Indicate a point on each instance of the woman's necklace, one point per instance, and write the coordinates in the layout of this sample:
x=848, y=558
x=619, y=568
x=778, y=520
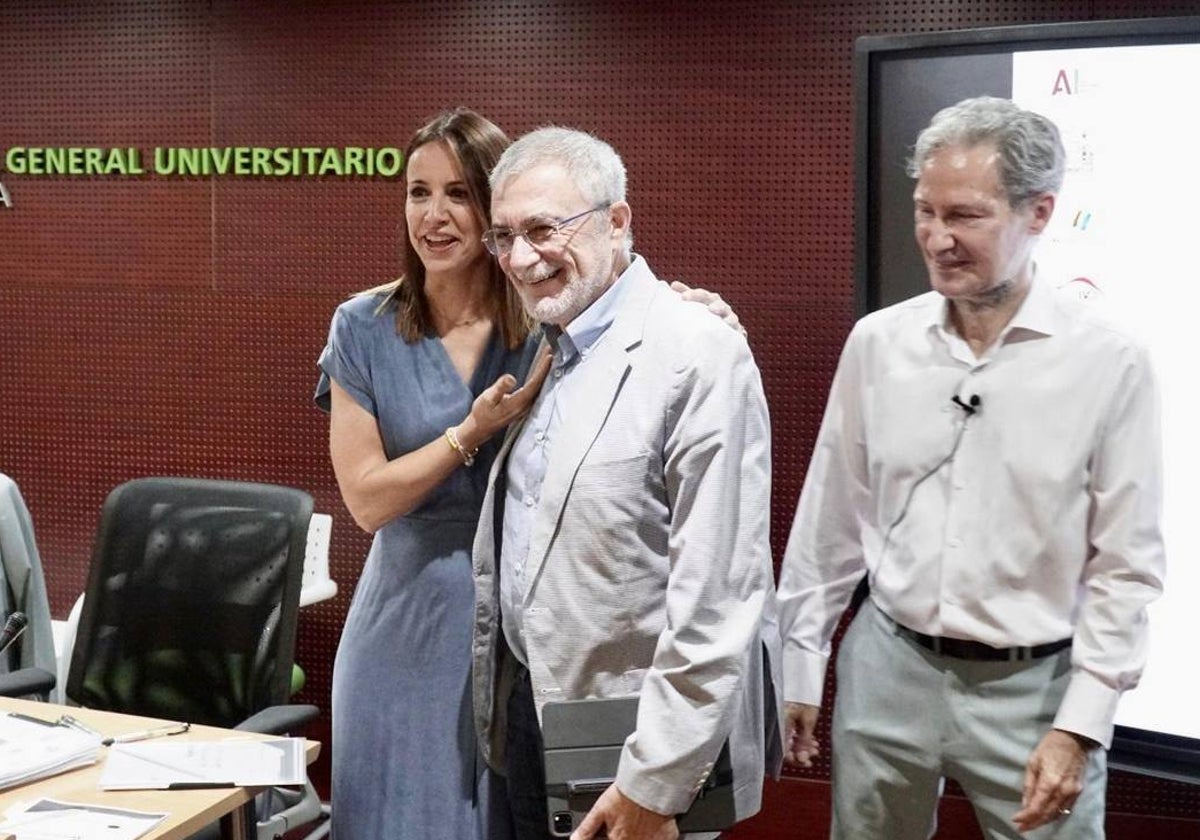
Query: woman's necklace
x=452, y=323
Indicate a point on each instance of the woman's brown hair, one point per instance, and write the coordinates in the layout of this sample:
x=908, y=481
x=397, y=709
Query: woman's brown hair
x=477, y=143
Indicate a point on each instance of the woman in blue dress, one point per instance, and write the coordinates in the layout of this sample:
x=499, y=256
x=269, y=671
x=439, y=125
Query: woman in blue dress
x=419, y=376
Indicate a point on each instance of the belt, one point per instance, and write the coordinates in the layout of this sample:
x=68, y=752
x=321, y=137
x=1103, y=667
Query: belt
x=978, y=651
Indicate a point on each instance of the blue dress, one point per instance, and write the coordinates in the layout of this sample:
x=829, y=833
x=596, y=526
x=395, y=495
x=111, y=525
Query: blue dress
x=404, y=752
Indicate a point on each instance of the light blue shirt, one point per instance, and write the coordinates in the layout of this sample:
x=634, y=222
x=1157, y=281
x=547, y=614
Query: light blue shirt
x=530, y=453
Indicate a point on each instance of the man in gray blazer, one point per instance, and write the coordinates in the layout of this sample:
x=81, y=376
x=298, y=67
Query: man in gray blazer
x=623, y=545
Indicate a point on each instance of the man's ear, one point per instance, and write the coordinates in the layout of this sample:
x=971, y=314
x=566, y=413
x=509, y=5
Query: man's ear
x=620, y=215
x=1043, y=209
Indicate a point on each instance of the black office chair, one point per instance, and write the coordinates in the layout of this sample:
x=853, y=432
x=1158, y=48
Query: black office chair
x=29, y=682
x=26, y=682
x=190, y=612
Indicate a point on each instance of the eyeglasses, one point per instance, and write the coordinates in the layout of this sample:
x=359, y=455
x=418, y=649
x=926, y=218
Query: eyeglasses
x=500, y=241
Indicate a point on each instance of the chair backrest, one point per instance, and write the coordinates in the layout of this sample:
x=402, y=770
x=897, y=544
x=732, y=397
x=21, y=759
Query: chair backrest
x=191, y=600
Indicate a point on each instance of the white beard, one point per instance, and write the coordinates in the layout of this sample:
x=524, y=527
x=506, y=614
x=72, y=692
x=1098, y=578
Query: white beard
x=572, y=299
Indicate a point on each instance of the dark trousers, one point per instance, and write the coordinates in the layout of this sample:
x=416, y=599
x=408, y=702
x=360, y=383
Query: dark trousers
x=524, y=765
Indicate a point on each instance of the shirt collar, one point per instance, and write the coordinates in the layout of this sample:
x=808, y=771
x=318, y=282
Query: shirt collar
x=1036, y=314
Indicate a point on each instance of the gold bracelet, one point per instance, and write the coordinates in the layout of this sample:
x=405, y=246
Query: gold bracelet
x=468, y=458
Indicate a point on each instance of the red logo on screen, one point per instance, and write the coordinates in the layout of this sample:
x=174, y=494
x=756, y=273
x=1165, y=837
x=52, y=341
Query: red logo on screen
x=1065, y=84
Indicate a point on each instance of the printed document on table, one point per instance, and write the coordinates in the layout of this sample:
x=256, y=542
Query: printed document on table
x=32, y=748
x=49, y=819
x=157, y=765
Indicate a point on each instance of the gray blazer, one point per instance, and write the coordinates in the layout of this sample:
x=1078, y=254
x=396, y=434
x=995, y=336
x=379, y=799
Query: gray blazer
x=649, y=568
x=22, y=584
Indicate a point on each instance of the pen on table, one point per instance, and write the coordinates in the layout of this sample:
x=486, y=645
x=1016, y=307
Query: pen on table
x=156, y=732
x=32, y=719
x=75, y=723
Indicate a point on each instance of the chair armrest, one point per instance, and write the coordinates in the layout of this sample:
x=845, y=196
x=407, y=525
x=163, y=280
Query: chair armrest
x=279, y=720
x=26, y=681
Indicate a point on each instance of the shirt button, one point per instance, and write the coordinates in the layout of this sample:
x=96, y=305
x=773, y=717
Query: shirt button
x=954, y=542
x=529, y=501
x=558, y=373
x=540, y=436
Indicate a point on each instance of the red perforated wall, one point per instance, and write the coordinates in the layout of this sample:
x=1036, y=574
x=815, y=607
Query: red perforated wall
x=152, y=325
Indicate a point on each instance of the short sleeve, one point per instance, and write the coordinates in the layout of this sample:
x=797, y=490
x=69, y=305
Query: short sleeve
x=344, y=360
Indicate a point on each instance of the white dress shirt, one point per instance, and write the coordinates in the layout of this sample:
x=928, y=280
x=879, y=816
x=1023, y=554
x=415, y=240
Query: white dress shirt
x=1035, y=518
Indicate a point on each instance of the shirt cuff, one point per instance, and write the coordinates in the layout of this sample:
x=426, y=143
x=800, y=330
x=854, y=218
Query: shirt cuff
x=1088, y=708
x=803, y=676
x=652, y=792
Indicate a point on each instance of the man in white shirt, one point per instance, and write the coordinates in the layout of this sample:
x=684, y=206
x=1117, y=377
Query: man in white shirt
x=990, y=459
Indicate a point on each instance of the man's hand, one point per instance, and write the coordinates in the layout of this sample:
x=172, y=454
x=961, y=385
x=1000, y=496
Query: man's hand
x=715, y=303
x=620, y=818
x=1053, y=779
x=801, y=746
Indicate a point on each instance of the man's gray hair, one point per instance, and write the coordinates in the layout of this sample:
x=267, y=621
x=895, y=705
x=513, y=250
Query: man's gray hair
x=593, y=165
x=1032, y=158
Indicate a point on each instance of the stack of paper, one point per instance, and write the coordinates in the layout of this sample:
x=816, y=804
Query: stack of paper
x=177, y=765
x=32, y=748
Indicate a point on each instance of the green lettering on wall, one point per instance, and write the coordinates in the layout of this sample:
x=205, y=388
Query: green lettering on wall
x=241, y=160
x=331, y=163
x=14, y=160
x=221, y=158
x=389, y=161
x=126, y=161
x=5, y=198
x=353, y=162
x=285, y=161
x=260, y=161
x=310, y=159
x=56, y=161
x=164, y=161
x=93, y=163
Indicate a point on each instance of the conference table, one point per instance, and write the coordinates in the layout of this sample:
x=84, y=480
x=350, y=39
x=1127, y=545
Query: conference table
x=187, y=811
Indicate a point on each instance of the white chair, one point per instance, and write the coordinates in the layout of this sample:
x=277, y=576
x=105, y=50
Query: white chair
x=317, y=585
